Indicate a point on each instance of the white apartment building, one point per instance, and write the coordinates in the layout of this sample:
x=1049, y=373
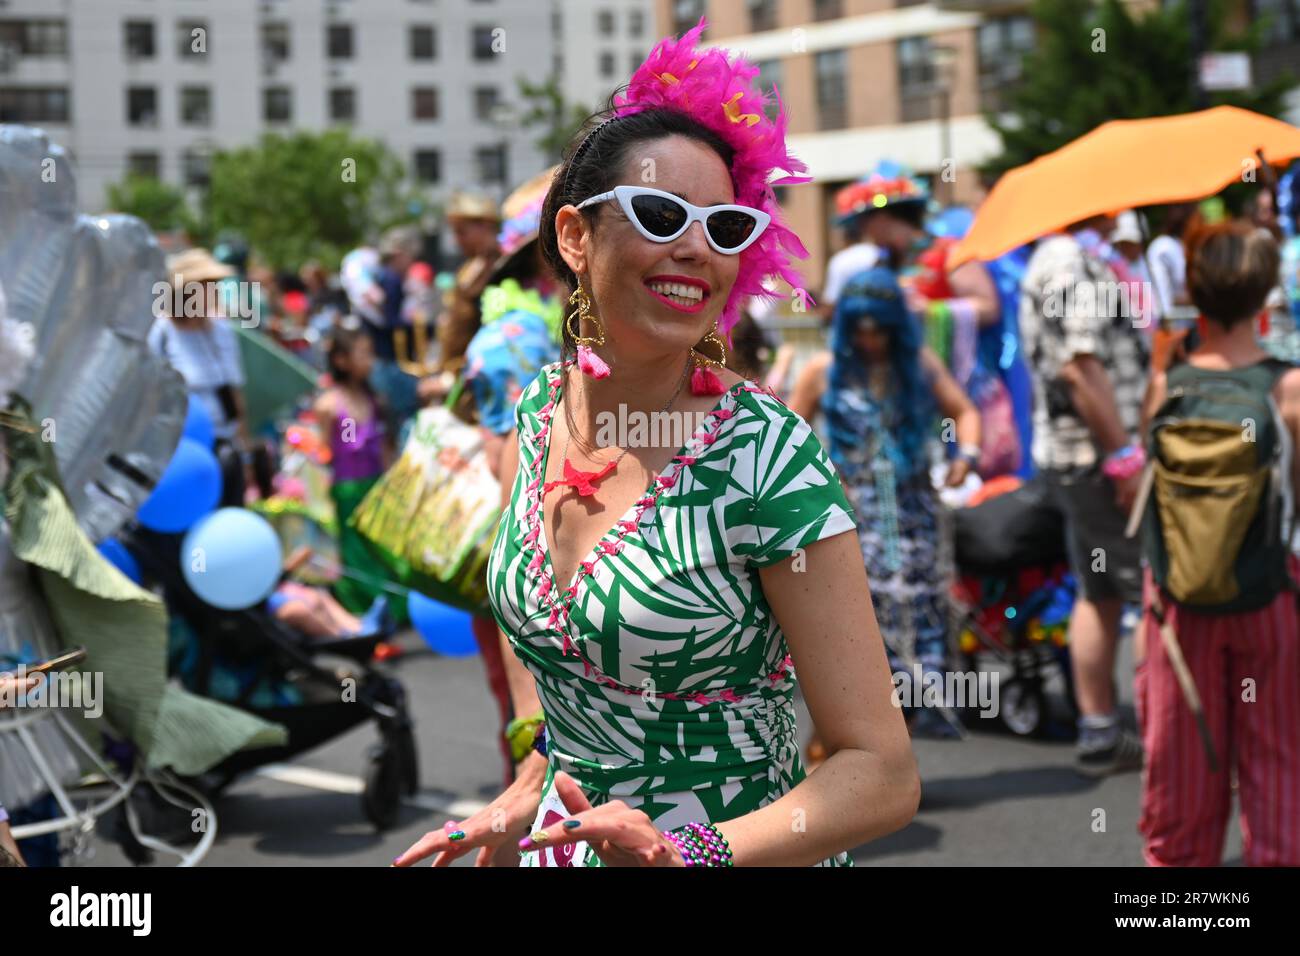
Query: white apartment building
x=156, y=85
x=599, y=43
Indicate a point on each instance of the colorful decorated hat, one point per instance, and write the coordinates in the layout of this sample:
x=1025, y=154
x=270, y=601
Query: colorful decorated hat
x=522, y=212
x=889, y=184
x=722, y=93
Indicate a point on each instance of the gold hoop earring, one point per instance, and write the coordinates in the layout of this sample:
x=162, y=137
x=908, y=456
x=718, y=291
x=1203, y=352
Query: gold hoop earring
x=589, y=363
x=583, y=303
x=707, y=360
x=704, y=381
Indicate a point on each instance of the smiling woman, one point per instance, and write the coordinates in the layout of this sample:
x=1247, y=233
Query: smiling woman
x=658, y=598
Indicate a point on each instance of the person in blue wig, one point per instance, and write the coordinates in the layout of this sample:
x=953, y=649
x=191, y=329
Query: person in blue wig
x=883, y=393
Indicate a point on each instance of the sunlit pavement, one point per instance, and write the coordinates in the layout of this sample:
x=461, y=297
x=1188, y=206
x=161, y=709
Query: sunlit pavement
x=989, y=799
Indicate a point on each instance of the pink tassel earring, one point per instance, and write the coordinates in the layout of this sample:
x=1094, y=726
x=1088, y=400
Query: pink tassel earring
x=705, y=381
x=588, y=361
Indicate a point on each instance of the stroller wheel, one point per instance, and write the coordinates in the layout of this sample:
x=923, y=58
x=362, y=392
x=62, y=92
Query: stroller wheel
x=1022, y=706
x=382, y=797
x=403, y=743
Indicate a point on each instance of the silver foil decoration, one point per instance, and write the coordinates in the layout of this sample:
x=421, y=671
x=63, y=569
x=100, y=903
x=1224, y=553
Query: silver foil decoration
x=113, y=412
x=85, y=284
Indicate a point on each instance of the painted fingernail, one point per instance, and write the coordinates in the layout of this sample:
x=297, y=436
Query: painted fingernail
x=525, y=845
x=539, y=836
x=396, y=860
x=450, y=826
x=456, y=835
x=572, y=824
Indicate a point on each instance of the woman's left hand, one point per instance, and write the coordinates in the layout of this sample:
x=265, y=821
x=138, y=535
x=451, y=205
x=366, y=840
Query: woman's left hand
x=617, y=834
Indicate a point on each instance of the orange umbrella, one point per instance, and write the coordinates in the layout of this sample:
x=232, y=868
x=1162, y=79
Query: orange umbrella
x=1123, y=164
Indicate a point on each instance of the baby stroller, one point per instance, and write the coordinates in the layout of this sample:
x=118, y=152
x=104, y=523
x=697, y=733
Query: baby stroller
x=1011, y=601
x=253, y=661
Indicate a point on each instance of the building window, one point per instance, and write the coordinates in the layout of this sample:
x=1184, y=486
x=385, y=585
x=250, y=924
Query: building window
x=635, y=23
x=138, y=36
x=196, y=106
x=275, y=42
x=482, y=42
x=769, y=76
x=1283, y=20
x=486, y=100
x=142, y=106
x=916, y=78
x=148, y=165
x=34, y=104
x=1002, y=43
x=196, y=168
x=605, y=22
x=491, y=161
x=428, y=165
x=191, y=39
x=424, y=103
x=343, y=104
x=607, y=64
x=423, y=43
x=762, y=15
x=277, y=104
x=634, y=62
x=831, y=67
x=686, y=13
x=338, y=41
x=827, y=9
x=35, y=37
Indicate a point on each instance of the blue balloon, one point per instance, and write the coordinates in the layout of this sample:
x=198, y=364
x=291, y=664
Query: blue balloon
x=198, y=424
x=445, y=629
x=120, y=558
x=187, y=490
x=231, y=559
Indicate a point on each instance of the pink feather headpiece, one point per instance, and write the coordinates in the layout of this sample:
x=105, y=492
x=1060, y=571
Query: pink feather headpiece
x=721, y=94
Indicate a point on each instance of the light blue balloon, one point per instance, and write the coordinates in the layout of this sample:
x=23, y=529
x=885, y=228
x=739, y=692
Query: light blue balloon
x=117, y=555
x=187, y=490
x=231, y=559
x=444, y=628
x=198, y=424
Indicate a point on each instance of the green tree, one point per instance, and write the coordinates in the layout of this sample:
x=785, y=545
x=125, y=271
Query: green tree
x=162, y=207
x=545, y=107
x=307, y=195
x=1094, y=62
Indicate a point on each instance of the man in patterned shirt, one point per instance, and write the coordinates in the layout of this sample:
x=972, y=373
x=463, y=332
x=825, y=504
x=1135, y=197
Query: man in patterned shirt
x=1089, y=358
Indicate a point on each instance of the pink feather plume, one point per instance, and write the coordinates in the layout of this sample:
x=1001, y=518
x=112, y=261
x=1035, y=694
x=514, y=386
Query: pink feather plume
x=722, y=94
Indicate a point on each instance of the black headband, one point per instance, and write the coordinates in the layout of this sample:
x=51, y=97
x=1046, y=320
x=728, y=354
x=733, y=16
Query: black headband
x=582, y=148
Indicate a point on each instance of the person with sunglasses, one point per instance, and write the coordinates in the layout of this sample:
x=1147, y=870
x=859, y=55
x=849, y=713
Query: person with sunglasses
x=659, y=595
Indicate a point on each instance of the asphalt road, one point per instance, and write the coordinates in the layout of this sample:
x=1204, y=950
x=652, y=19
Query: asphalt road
x=992, y=799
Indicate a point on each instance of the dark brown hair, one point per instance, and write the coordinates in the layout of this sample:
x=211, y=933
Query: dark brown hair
x=592, y=164
x=1231, y=268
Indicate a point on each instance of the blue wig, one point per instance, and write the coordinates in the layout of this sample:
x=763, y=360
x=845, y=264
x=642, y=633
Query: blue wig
x=875, y=294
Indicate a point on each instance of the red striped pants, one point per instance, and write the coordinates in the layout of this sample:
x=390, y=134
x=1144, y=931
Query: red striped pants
x=1233, y=659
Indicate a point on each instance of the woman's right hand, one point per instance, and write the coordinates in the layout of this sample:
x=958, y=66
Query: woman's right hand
x=496, y=829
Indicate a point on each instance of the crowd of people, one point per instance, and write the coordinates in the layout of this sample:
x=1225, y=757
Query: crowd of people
x=911, y=344
x=650, y=603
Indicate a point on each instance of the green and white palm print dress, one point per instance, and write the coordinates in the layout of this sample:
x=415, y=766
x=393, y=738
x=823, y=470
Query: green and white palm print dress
x=664, y=677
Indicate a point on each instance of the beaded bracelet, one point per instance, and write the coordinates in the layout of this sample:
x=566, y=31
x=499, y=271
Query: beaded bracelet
x=1125, y=462
x=701, y=844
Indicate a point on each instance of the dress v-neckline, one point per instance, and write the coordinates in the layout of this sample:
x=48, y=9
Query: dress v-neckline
x=652, y=490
